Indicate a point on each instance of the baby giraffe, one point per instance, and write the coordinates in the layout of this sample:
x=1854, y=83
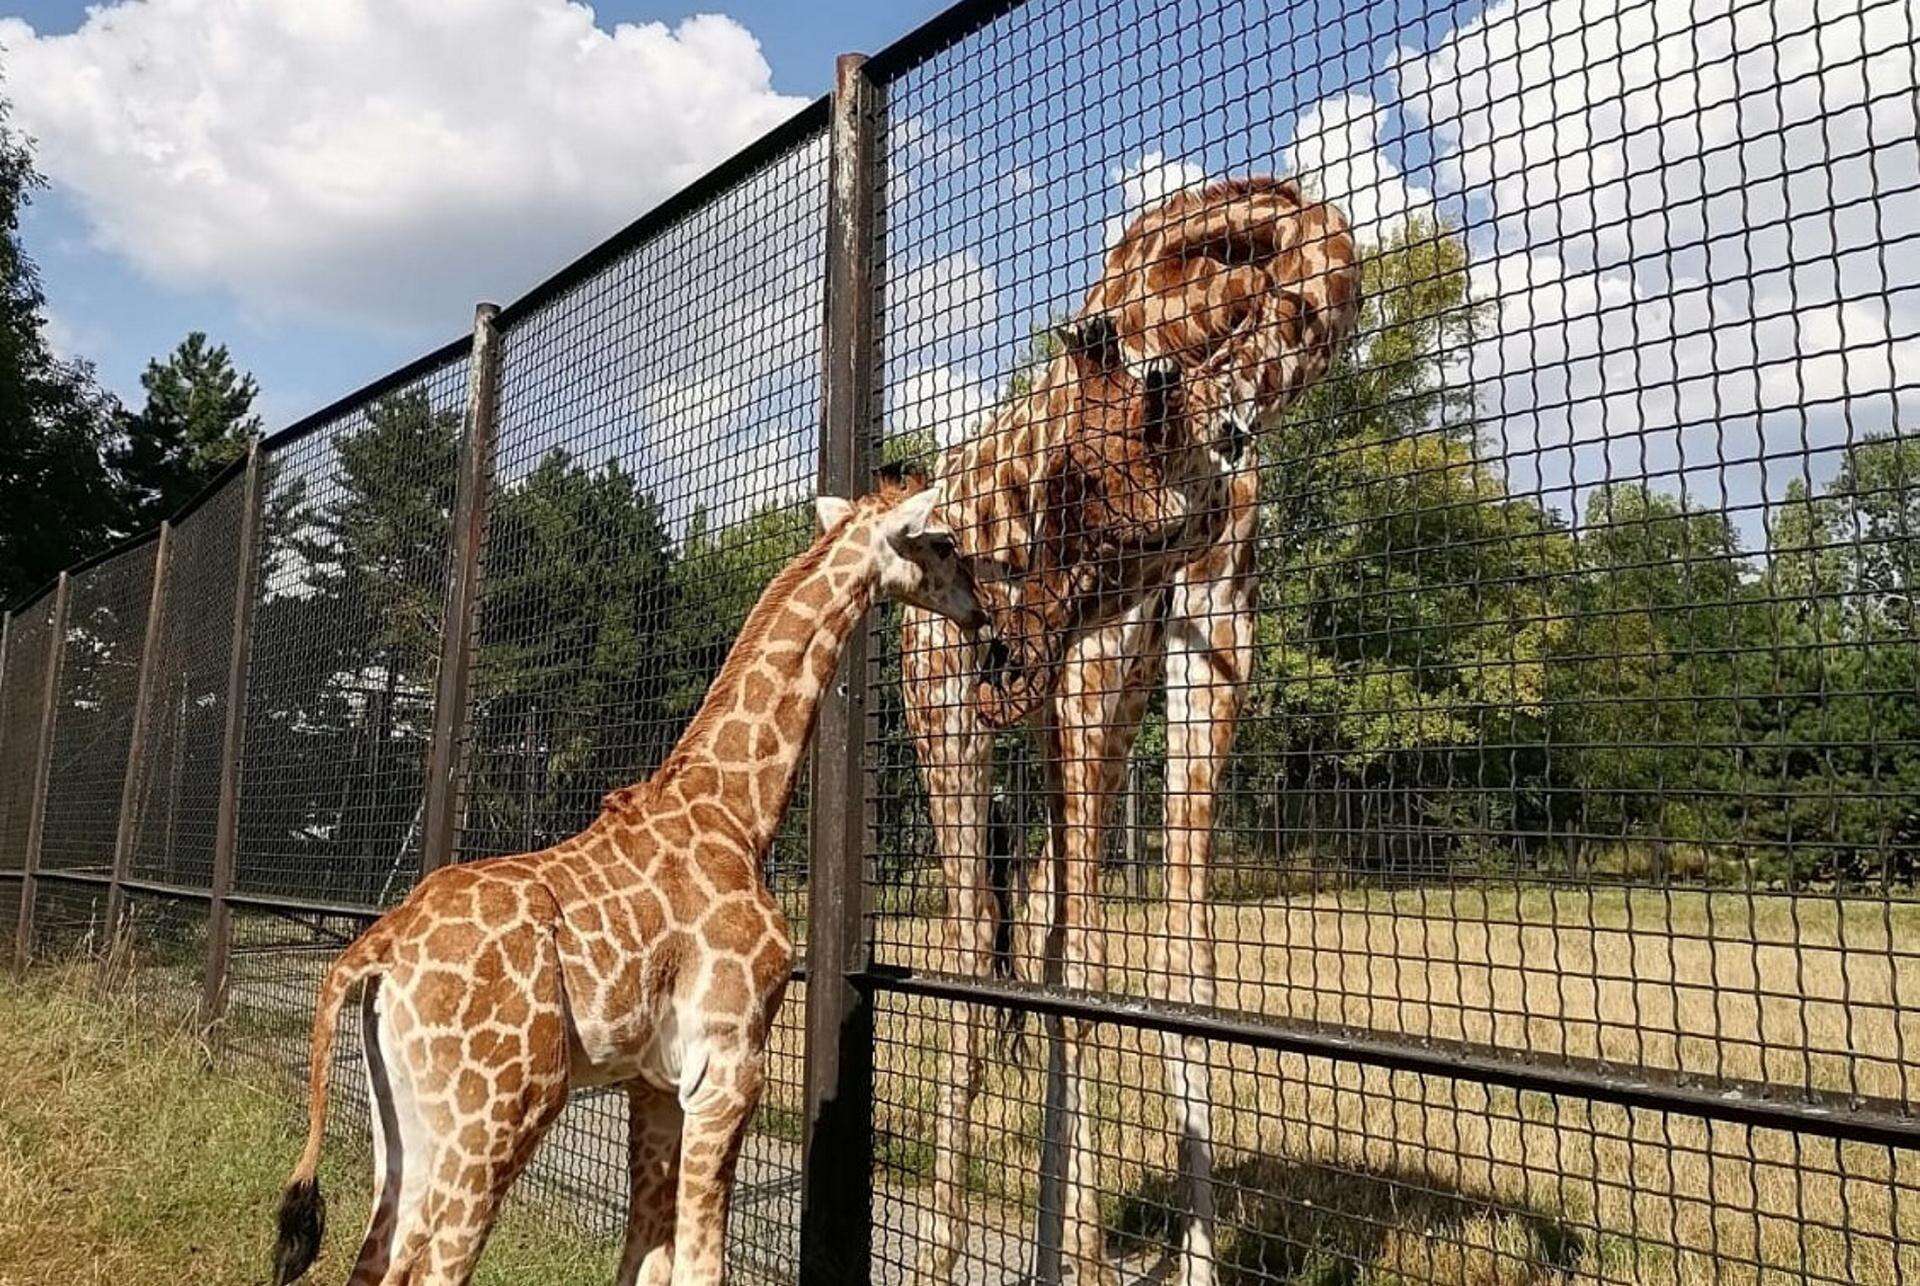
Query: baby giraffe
x=643, y=952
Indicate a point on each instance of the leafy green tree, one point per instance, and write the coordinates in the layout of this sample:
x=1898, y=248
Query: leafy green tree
x=576, y=672
x=1405, y=628
x=1829, y=788
x=54, y=487
x=198, y=418
x=1646, y=722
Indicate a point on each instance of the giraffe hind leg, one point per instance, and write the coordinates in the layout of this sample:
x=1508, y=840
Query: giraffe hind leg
x=399, y=1142
x=483, y=1119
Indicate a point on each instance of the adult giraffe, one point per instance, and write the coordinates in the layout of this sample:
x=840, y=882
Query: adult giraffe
x=1248, y=288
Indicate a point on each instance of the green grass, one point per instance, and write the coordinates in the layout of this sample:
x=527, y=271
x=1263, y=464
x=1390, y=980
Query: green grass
x=123, y=1158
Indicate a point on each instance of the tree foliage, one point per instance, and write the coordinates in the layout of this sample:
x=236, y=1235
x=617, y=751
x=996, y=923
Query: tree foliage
x=55, y=490
x=198, y=418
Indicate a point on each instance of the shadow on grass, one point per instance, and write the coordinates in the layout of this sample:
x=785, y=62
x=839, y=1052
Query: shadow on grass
x=1285, y=1223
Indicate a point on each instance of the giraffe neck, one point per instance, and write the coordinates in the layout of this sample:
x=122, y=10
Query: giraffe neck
x=746, y=744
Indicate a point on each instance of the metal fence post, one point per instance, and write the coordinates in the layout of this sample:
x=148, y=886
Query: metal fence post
x=445, y=763
x=43, y=751
x=137, y=744
x=213, y=997
x=837, y=1160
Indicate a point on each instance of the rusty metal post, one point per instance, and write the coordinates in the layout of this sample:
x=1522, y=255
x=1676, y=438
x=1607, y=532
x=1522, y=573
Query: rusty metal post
x=445, y=762
x=137, y=743
x=226, y=834
x=42, y=772
x=837, y=1161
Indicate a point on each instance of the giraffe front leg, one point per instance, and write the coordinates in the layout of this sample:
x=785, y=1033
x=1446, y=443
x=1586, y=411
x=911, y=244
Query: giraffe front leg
x=1209, y=655
x=654, y=1127
x=716, y=1112
x=1102, y=698
x=954, y=755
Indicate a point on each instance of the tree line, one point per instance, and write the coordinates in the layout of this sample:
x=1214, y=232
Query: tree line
x=1449, y=674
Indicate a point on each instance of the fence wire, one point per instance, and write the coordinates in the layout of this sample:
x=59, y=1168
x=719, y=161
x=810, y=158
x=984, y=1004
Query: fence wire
x=23, y=701
x=1445, y=485
x=177, y=795
x=346, y=633
x=159, y=955
x=1573, y=718
x=93, y=710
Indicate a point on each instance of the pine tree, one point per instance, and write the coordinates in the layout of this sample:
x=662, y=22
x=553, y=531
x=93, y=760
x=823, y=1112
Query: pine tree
x=198, y=417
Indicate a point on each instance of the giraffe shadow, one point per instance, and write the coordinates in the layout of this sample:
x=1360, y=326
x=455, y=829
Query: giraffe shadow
x=1288, y=1223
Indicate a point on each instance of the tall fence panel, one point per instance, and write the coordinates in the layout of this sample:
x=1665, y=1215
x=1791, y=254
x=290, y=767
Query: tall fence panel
x=93, y=704
x=93, y=718
x=656, y=446
x=176, y=796
x=346, y=635
x=1574, y=724
x=29, y=646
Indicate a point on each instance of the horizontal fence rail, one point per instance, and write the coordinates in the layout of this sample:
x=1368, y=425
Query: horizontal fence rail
x=1437, y=799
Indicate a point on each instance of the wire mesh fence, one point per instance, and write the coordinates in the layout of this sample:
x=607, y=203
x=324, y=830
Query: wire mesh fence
x=176, y=795
x=93, y=711
x=1436, y=801
x=345, y=645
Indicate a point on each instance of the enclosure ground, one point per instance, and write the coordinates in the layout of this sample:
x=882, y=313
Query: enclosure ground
x=123, y=1158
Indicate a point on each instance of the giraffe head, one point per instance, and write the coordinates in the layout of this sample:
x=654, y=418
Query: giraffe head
x=911, y=553
x=1247, y=285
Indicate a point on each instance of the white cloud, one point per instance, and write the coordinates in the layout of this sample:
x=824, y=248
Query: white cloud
x=385, y=161
x=1337, y=155
x=946, y=306
x=944, y=402
x=67, y=341
x=1680, y=217
x=1151, y=179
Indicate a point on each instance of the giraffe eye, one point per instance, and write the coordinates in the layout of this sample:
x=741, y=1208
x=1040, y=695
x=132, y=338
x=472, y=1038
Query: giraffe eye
x=941, y=544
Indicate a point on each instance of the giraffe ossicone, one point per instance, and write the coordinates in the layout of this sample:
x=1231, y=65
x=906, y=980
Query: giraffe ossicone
x=643, y=952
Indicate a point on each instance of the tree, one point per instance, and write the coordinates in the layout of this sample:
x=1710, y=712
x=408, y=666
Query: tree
x=1657, y=616
x=1404, y=628
x=197, y=419
x=576, y=668
x=54, y=487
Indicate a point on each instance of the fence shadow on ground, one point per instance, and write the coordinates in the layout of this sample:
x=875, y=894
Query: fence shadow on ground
x=1302, y=1224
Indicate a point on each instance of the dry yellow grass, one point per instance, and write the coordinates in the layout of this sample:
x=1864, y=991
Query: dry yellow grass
x=124, y=1159
x=1720, y=984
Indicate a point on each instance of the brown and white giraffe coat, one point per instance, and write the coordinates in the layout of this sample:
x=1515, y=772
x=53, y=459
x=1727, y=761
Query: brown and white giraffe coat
x=1110, y=513
x=643, y=952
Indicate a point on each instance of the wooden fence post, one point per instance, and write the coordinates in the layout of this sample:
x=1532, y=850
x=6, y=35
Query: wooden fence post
x=43, y=752
x=226, y=835
x=837, y=1157
x=445, y=762
x=126, y=829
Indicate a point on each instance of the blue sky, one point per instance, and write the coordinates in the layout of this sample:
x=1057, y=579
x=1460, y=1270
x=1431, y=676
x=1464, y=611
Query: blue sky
x=1674, y=213
x=119, y=317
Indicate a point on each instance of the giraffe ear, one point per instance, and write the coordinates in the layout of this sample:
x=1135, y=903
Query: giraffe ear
x=915, y=510
x=831, y=511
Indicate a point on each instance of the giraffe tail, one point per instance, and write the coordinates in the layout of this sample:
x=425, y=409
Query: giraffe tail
x=303, y=1211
